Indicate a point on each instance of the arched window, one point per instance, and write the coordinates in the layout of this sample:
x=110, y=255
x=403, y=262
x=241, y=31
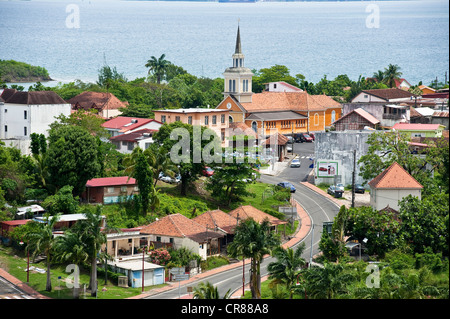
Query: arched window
x=316, y=119
x=333, y=116
x=230, y=119
x=254, y=126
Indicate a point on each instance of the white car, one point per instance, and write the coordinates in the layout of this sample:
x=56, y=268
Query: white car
x=295, y=163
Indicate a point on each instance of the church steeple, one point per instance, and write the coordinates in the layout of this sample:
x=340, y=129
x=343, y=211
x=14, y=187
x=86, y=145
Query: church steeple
x=238, y=78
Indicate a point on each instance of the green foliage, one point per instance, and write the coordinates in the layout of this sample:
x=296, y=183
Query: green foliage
x=14, y=71
x=62, y=202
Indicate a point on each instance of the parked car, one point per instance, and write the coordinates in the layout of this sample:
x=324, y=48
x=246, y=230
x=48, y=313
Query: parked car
x=208, y=171
x=308, y=138
x=359, y=189
x=289, y=148
x=168, y=179
x=295, y=163
x=288, y=186
x=332, y=190
x=313, y=136
x=299, y=138
x=340, y=187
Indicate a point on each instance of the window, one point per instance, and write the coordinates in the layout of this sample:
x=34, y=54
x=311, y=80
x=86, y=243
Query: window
x=214, y=119
x=110, y=190
x=25, y=115
x=254, y=126
x=333, y=116
x=6, y=128
x=163, y=118
x=190, y=120
x=123, y=189
x=147, y=145
x=230, y=119
x=171, y=240
x=316, y=119
x=230, y=86
x=366, y=96
x=177, y=118
x=130, y=146
x=6, y=110
x=206, y=120
x=274, y=85
x=234, y=86
x=222, y=118
x=158, y=239
x=25, y=131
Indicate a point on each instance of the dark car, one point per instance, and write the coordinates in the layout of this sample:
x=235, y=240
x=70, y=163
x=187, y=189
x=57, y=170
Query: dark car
x=287, y=185
x=299, y=138
x=359, y=189
x=313, y=136
x=333, y=190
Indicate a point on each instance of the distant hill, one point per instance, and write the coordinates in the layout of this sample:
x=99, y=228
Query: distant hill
x=14, y=71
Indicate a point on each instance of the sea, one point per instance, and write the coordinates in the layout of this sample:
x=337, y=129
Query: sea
x=73, y=39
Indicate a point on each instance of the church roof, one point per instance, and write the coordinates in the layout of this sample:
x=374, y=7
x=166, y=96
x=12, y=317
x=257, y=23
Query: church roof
x=238, y=49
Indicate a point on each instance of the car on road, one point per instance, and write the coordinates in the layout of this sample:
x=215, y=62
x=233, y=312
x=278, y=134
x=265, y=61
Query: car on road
x=308, y=138
x=359, y=189
x=289, y=148
x=332, y=190
x=295, y=163
x=288, y=186
x=340, y=187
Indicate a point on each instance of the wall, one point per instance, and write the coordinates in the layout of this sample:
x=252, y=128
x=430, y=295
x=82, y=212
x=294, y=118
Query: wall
x=380, y=198
x=339, y=146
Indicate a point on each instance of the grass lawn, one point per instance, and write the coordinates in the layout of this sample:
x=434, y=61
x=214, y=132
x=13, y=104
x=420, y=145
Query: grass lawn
x=17, y=265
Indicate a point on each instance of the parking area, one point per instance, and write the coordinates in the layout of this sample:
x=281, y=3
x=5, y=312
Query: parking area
x=360, y=199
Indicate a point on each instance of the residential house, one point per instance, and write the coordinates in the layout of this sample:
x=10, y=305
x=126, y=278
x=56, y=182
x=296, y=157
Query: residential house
x=214, y=119
x=29, y=211
x=391, y=186
x=125, y=143
x=124, y=125
x=177, y=231
x=358, y=119
x=108, y=190
x=426, y=89
x=66, y=221
x=398, y=83
x=301, y=112
x=248, y=211
x=107, y=105
x=23, y=113
x=220, y=221
x=8, y=226
x=420, y=130
x=426, y=115
x=153, y=274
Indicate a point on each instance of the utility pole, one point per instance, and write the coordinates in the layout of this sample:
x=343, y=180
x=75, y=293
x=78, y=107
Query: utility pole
x=353, y=178
x=311, y=252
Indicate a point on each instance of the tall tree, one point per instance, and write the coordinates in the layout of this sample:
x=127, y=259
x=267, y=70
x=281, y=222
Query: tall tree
x=327, y=282
x=286, y=268
x=158, y=67
x=253, y=240
x=391, y=73
x=205, y=290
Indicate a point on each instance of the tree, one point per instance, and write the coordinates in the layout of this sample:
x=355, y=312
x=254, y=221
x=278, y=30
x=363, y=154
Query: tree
x=158, y=67
x=379, y=76
x=286, y=269
x=333, y=245
x=72, y=157
x=205, y=290
x=273, y=74
x=391, y=73
x=62, y=202
x=41, y=240
x=253, y=240
x=106, y=75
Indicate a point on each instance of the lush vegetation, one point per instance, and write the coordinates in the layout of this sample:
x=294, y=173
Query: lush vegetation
x=14, y=71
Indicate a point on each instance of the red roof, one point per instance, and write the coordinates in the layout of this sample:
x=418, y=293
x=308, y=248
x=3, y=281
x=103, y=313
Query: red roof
x=15, y=222
x=395, y=176
x=416, y=126
x=111, y=181
x=124, y=123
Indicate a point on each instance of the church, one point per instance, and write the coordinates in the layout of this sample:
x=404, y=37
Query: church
x=284, y=111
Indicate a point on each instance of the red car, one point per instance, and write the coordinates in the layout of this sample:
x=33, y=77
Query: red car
x=308, y=138
x=208, y=171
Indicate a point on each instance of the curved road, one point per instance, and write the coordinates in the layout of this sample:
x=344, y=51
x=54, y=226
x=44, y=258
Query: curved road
x=319, y=208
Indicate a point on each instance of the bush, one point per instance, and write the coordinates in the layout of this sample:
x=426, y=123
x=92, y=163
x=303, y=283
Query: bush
x=399, y=260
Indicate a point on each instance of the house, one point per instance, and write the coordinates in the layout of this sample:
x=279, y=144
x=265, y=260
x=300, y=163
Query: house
x=123, y=125
x=281, y=108
x=177, y=231
x=426, y=115
x=248, y=211
x=398, y=83
x=281, y=86
x=214, y=119
x=357, y=119
x=420, y=130
x=23, y=113
x=107, y=190
x=107, y=105
x=382, y=96
x=391, y=186
x=133, y=269
x=29, y=211
x=220, y=221
x=426, y=89
x=125, y=143
x=66, y=221
x=7, y=226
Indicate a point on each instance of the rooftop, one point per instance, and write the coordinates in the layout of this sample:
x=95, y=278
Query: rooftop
x=110, y=181
x=416, y=127
x=101, y=100
x=217, y=218
x=389, y=94
x=396, y=177
x=33, y=97
x=248, y=211
x=191, y=110
x=124, y=123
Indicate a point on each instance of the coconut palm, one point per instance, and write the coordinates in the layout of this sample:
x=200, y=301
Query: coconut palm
x=208, y=291
x=42, y=241
x=391, y=73
x=253, y=240
x=157, y=66
x=379, y=76
x=286, y=269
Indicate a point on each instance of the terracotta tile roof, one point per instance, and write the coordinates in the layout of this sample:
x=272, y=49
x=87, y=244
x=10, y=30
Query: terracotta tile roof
x=240, y=128
x=416, y=126
x=280, y=139
x=110, y=181
x=217, y=218
x=249, y=211
x=177, y=225
x=96, y=100
x=413, y=113
x=32, y=97
x=389, y=94
x=395, y=177
x=326, y=101
x=369, y=117
x=440, y=114
x=272, y=101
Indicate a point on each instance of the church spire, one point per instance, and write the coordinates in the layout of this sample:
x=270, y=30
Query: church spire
x=238, y=49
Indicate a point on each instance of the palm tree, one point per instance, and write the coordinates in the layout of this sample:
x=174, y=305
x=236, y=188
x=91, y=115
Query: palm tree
x=158, y=67
x=92, y=236
x=253, y=240
x=379, y=76
x=286, y=269
x=41, y=240
x=391, y=73
x=208, y=291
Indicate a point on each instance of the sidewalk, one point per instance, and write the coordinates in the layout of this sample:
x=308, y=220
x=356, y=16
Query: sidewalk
x=338, y=202
x=21, y=285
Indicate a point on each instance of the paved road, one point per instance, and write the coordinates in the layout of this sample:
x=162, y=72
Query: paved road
x=9, y=291
x=319, y=208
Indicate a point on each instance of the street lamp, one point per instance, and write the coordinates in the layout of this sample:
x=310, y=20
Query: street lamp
x=28, y=260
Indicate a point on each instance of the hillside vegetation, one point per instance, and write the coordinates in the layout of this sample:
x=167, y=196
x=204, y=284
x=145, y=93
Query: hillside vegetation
x=14, y=71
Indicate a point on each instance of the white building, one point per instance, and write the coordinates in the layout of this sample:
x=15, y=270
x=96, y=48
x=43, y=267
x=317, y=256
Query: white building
x=281, y=86
x=391, y=186
x=23, y=113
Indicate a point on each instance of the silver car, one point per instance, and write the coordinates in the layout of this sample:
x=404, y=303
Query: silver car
x=295, y=163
